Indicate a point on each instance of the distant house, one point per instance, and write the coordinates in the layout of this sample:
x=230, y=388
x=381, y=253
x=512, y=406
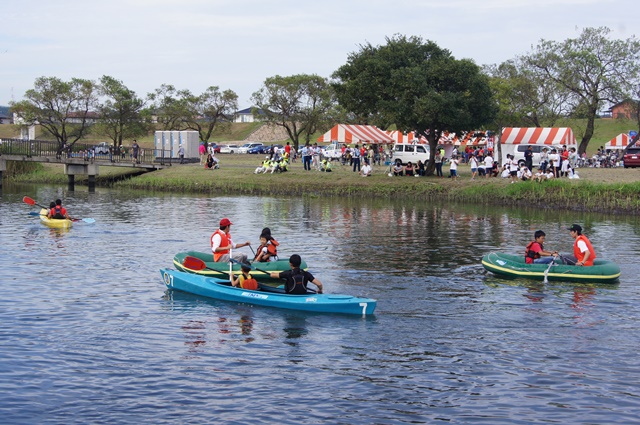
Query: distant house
x=246, y=115
x=623, y=109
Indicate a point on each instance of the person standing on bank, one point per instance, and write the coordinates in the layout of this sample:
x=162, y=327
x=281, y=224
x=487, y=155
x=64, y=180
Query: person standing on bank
x=583, y=252
x=221, y=244
x=181, y=153
x=356, y=159
x=296, y=278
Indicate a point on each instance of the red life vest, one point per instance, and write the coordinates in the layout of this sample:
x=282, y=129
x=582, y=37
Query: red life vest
x=272, y=251
x=58, y=212
x=530, y=255
x=248, y=283
x=224, y=241
x=579, y=255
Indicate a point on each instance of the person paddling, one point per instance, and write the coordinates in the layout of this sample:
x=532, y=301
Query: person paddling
x=296, y=278
x=534, y=253
x=583, y=252
x=221, y=244
x=58, y=211
x=244, y=280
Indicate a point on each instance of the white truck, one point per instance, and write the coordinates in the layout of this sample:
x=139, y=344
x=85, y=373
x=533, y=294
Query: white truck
x=333, y=151
x=411, y=152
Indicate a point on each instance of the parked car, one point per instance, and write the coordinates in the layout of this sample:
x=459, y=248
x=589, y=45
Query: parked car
x=216, y=148
x=229, y=149
x=258, y=149
x=631, y=158
x=101, y=149
x=245, y=148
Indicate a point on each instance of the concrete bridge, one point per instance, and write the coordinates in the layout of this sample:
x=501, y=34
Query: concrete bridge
x=80, y=159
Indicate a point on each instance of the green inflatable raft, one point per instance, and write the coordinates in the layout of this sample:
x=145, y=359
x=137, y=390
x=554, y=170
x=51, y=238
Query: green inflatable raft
x=509, y=265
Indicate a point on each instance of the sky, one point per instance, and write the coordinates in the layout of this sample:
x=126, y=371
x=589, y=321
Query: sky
x=236, y=45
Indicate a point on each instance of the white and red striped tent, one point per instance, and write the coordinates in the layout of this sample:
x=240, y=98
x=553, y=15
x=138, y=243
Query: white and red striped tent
x=348, y=134
x=538, y=136
x=400, y=137
x=619, y=142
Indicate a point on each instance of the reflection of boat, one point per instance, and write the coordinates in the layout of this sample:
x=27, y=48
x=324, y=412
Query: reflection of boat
x=267, y=296
x=602, y=271
x=221, y=270
x=56, y=223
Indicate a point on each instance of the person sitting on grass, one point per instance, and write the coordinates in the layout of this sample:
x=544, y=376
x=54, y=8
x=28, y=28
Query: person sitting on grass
x=408, y=169
x=397, y=168
x=365, y=171
x=325, y=166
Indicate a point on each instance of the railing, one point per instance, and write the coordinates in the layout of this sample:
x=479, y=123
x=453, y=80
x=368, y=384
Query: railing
x=42, y=148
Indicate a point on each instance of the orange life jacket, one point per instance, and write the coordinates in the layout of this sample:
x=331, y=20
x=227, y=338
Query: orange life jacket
x=224, y=241
x=530, y=255
x=248, y=283
x=579, y=255
x=272, y=251
x=58, y=212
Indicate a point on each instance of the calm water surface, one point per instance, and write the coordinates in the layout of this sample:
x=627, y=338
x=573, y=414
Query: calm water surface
x=88, y=333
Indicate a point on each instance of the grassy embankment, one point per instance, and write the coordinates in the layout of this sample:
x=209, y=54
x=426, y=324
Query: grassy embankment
x=604, y=190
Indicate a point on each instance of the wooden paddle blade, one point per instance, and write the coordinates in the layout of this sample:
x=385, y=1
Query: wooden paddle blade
x=28, y=200
x=194, y=263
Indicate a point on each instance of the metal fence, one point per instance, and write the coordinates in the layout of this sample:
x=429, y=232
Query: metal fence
x=85, y=151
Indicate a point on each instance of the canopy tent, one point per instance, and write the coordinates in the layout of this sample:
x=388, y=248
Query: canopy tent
x=359, y=134
x=621, y=141
x=470, y=138
x=400, y=137
x=538, y=136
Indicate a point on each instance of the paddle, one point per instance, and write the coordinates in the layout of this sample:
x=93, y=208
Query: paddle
x=195, y=263
x=546, y=272
x=31, y=202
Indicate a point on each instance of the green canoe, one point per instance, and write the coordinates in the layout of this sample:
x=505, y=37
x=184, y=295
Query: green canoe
x=183, y=261
x=602, y=271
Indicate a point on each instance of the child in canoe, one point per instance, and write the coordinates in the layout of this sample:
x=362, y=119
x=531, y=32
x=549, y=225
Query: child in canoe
x=267, y=251
x=244, y=280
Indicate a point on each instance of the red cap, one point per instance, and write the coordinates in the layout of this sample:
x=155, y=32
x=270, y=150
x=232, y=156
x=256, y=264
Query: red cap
x=225, y=222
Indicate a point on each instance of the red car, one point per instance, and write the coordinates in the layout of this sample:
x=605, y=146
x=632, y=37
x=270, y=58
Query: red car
x=632, y=157
x=216, y=147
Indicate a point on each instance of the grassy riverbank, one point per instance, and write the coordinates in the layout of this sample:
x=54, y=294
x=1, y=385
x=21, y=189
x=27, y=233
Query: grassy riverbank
x=614, y=190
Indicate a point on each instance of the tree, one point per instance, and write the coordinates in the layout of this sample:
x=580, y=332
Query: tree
x=121, y=113
x=64, y=109
x=591, y=68
x=416, y=85
x=204, y=112
x=169, y=107
x=523, y=98
x=301, y=104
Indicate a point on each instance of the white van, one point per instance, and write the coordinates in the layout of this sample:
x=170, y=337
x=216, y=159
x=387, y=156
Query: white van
x=410, y=152
x=518, y=152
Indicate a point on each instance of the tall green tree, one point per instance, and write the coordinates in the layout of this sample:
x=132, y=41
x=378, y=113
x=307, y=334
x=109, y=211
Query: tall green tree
x=208, y=110
x=169, y=107
x=416, y=85
x=301, y=104
x=121, y=112
x=592, y=68
x=64, y=109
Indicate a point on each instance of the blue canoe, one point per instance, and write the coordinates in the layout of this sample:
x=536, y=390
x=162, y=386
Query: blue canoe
x=267, y=296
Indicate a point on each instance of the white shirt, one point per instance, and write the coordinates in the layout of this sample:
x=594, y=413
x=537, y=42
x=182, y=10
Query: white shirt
x=365, y=170
x=454, y=164
x=488, y=161
x=216, y=240
x=582, y=246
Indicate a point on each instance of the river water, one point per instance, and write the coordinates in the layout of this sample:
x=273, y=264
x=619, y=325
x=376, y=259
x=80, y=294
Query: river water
x=88, y=333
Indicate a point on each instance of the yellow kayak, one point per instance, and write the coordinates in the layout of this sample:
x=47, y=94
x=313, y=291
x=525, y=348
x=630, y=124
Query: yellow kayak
x=56, y=223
